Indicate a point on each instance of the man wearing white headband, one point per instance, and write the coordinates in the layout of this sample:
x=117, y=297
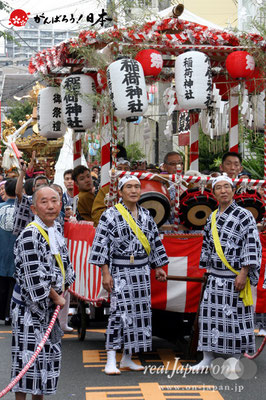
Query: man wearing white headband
x=231, y=252
x=126, y=246
x=127, y=178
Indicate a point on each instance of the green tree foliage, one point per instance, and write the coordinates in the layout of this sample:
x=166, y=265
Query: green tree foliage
x=4, y=6
x=18, y=111
x=254, y=163
x=211, y=151
x=134, y=152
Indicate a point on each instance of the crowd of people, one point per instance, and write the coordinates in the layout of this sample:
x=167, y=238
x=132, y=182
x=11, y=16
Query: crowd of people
x=35, y=270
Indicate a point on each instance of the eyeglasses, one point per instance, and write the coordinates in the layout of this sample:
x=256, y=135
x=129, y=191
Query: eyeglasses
x=175, y=164
x=227, y=186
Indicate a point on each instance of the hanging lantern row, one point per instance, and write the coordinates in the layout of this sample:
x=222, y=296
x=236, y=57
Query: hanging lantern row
x=125, y=78
x=68, y=108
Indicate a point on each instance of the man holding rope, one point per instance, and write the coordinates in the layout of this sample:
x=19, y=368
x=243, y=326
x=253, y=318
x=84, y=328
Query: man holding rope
x=42, y=271
x=126, y=246
x=231, y=252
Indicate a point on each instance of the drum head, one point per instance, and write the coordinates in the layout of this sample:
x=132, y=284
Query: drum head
x=158, y=205
x=252, y=201
x=195, y=208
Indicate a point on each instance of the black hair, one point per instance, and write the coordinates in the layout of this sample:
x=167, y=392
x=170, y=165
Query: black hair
x=122, y=153
x=68, y=172
x=78, y=170
x=10, y=187
x=232, y=154
x=28, y=185
x=244, y=172
x=171, y=153
x=38, y=177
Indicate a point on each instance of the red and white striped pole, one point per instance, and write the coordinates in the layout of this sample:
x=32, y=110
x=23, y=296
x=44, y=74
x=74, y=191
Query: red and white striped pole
x=77, y=153
x=194, y=141
x=114, y=141
x=233, y=132
x=34, y=356
x=105, y=150
x=113, y=180
x=264, y=192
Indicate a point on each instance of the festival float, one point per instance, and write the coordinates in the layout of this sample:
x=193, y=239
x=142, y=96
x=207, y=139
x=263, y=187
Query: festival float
x=28, y=138
x=103, y=77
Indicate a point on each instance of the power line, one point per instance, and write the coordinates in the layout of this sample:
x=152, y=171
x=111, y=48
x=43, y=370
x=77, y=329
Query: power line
x=65, y=6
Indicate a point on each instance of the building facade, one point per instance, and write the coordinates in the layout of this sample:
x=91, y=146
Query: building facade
x=32, y=39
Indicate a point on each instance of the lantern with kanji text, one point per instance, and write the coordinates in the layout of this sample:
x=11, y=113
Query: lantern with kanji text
x=240, y=64
x=49, y=113
x=78, y=110
x=151, y=61
x=127, y=88
x=193, y=80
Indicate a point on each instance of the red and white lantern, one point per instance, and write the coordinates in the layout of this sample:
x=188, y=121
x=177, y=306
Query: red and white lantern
x=193, y=80
x=78, y=112
x=49, y=110
x=127, y=88
x=151, y=61
x=240, y=64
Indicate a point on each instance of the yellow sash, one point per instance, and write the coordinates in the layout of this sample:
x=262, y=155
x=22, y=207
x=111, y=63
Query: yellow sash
x=138, y=232
x=57, y=256
x=245, y=293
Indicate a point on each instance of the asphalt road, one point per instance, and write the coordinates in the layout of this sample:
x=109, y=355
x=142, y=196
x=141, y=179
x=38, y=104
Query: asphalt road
x=82, y=375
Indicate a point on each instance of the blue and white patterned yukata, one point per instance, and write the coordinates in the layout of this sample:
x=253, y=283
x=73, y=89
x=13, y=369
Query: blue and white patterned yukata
x=129, y=324
x=36, y=273
x=226, y=326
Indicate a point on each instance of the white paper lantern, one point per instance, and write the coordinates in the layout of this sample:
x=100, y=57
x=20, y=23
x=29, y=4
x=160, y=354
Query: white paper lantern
x=78, y=112
x=193, y=80
x=49, y=110
x=127, y=88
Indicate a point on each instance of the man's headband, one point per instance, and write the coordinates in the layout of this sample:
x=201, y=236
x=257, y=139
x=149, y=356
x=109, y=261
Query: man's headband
x=125, y=179
x=222, y=178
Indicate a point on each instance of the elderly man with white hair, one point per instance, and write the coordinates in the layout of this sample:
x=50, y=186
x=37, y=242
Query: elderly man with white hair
x=42, y=272
x=231, y=252
x=126, y=246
